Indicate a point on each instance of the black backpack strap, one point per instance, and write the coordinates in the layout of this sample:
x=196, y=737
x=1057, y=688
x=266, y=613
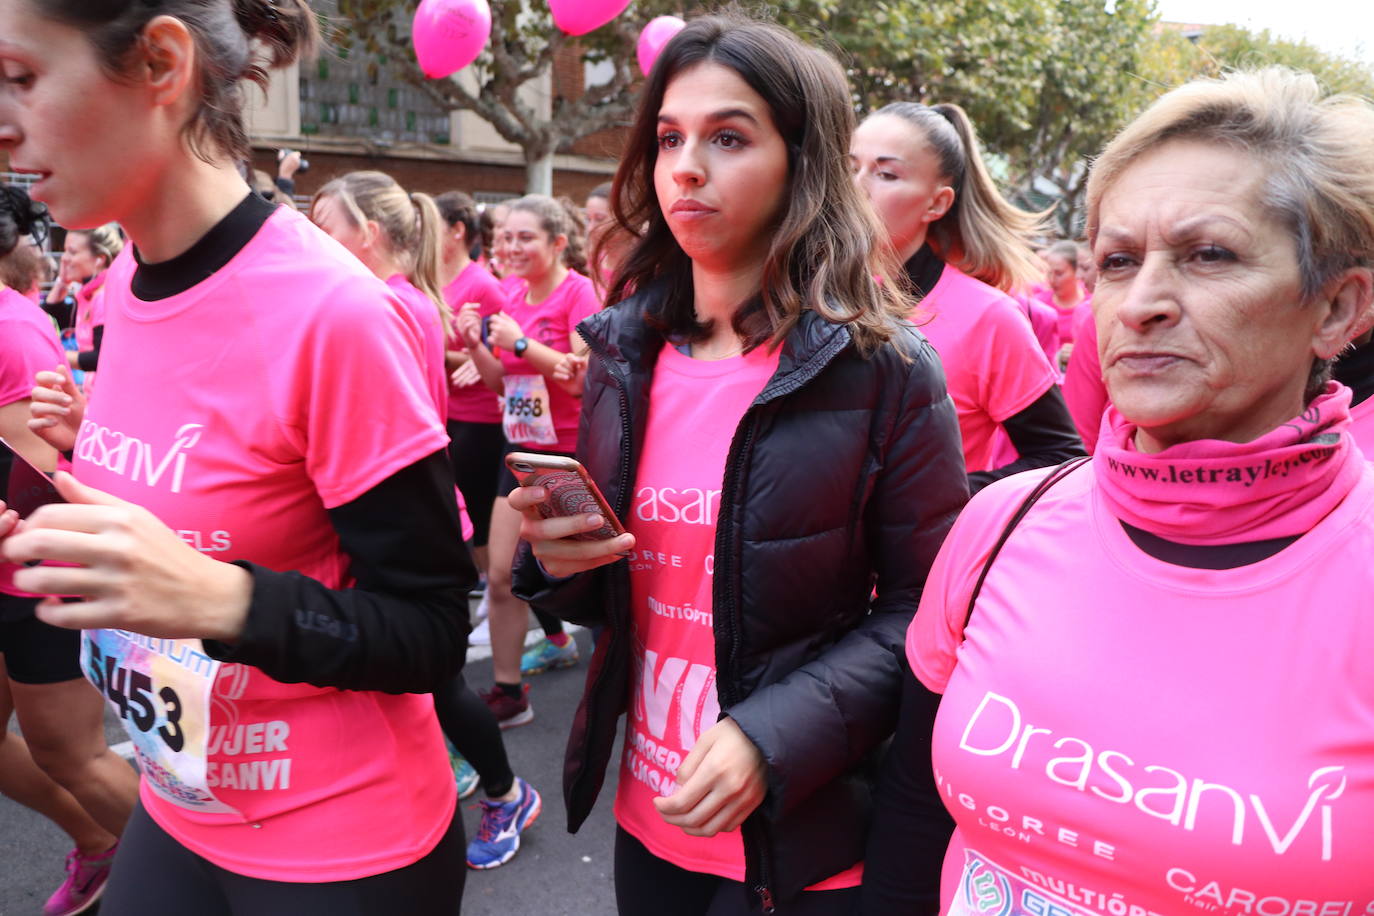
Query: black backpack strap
x=1059, y=473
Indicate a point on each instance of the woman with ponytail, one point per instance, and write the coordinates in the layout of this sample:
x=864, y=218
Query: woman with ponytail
x=400, y=237
x=963, y=247
x=260, y=530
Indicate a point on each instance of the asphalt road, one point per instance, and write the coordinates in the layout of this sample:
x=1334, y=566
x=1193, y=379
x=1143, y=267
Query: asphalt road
x=554, y=874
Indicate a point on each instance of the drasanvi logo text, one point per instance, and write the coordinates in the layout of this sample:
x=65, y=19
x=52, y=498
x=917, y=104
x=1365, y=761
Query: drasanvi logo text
x=152, y=464
x=998, y=730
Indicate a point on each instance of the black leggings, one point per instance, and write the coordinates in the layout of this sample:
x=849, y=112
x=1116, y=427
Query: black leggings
x=646, y=885
x=35, y=652
x=472, y=729
x=475, y=450
x=153, y=873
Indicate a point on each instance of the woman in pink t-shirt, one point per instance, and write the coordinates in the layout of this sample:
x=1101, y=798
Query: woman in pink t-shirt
x=61, y=767
x=399, y=237
x=778, y=441
x=523, y=355
x=1154, y=667
x=962, y=245
x=99, y=247
x=260, y=533
x=1066, y=293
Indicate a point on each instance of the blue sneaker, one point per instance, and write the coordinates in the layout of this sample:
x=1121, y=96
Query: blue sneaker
x=498, y=837
x=464, y=775
x=545, y=656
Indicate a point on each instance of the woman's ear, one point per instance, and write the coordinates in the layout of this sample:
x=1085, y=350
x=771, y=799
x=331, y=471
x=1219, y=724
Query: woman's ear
x=168, y=52
x=372, y=232
x=1347, y=312
x=939, y=204
x=560, y=242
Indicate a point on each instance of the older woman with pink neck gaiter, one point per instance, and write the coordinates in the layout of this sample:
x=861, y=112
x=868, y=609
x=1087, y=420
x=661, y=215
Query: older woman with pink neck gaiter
x=1156, y=693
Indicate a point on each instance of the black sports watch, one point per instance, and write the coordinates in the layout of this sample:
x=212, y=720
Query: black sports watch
x=520, y=346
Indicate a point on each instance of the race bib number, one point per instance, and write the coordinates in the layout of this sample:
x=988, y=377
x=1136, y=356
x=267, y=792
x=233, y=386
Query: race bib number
x=160, y=689
x=525, y=414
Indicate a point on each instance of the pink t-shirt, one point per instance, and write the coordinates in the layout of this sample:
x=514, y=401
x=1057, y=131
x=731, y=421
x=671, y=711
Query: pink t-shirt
x=90, y=311
x=994, y=367
x=28, y=344
x=1362, y=426
x=431, y=326
x=695, y=407
x=238, y=422
x=553, y=323
x=1084, y=391
x=475, y=403
x=1064, y=315
x=432, y=344
x=1119, y=734
x=1044, y=320
x=90, y=314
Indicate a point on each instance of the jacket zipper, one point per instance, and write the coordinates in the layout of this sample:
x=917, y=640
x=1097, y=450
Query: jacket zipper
x=728, y=686
x=622, y=504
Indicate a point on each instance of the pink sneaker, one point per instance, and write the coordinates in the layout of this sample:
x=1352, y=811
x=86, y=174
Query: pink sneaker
x=86, y=877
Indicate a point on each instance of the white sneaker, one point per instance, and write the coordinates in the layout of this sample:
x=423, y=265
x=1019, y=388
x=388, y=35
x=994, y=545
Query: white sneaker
x=481, y=634
x=483, y=608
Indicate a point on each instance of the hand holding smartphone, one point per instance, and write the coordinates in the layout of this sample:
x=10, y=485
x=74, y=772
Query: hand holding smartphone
x=571, y=490
x=23, y=487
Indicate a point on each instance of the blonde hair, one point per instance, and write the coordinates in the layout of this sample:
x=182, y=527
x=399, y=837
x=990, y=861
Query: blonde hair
x=1319, y=152
x=411, y=224
x=106, y=241
x=983, y=234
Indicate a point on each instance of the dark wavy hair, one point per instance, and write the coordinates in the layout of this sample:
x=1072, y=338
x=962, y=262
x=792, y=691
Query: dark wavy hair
x=20, y=216
x=826, y=247
x=224, y=32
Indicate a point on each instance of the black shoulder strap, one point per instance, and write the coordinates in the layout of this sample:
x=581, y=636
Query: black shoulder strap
x=1059, y=473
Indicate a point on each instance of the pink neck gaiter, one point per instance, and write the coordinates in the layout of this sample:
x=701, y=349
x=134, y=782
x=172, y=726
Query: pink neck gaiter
x=1214, y=492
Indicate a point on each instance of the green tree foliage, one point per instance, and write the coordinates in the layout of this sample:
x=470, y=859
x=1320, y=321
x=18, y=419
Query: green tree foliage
x=1231, y=47
x=1090, y=85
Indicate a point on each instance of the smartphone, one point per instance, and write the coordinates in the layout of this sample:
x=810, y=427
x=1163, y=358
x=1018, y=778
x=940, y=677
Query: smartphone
x=24, y=487
x=571, y=491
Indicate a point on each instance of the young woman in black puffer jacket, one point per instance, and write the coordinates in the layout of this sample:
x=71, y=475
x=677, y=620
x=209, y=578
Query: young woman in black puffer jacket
x=781, y=448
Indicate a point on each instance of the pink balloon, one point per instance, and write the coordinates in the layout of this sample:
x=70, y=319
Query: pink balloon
x=449, y=34
x=578, y=17
x=656, y=34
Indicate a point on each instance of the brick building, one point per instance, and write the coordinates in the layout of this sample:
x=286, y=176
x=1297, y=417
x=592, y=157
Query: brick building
x=345, y=111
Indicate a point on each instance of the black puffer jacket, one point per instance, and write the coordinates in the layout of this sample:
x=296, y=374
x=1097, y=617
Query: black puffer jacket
x=844, y=473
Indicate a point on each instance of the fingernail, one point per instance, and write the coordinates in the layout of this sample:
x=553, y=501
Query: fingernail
x=538, y=492
x=66, y=399
x=594, y=521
